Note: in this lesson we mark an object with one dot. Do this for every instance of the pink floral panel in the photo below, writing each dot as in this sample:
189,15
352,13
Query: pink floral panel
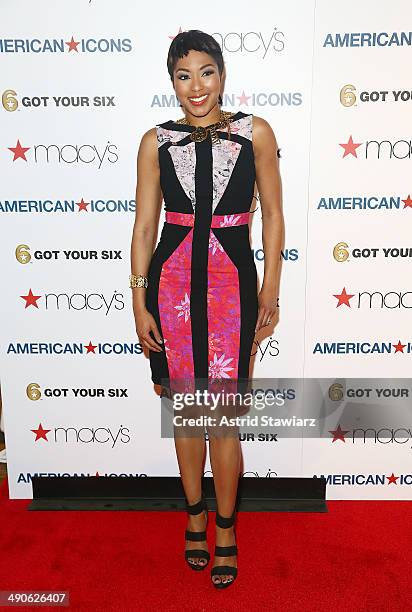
174,310
223,317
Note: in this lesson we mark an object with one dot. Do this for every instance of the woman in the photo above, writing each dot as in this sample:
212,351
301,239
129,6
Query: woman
195,298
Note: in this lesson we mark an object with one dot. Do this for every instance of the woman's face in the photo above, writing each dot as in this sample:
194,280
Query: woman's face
197,83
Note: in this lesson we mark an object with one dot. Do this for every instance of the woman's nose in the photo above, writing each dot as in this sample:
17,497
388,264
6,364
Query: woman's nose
196,84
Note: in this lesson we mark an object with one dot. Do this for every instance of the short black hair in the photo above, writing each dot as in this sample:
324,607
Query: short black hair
198,41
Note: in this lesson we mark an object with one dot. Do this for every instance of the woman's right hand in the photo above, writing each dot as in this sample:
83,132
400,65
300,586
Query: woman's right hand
145,323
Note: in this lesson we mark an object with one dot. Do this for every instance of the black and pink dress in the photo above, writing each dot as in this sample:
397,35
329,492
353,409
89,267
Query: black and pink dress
202,278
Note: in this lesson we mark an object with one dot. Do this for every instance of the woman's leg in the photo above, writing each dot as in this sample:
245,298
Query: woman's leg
225,459
190,455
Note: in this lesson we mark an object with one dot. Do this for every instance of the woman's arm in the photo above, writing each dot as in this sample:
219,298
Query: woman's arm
148,205
269,186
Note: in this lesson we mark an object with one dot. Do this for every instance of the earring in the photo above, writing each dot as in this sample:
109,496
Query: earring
220,99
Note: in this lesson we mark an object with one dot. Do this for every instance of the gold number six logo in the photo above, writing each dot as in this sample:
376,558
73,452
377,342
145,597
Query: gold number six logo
9,100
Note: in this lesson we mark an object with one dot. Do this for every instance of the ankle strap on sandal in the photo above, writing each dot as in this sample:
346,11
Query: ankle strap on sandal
225,521
197,507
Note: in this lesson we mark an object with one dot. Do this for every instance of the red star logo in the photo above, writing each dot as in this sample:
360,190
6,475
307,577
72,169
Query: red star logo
350,147
339,434
399,347
392,479
343,298
19,151
243,99
90,348
73,45
41,434
82,205
179,32
31,300
408,201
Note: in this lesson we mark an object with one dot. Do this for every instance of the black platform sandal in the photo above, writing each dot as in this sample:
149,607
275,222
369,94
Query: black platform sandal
196,536
224,551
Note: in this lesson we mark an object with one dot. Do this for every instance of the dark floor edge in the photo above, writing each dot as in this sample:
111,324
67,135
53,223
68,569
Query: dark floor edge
111,504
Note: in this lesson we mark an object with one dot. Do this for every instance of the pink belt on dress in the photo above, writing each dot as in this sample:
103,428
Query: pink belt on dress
217,220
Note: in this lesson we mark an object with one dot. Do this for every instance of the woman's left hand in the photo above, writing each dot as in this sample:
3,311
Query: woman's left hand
268,310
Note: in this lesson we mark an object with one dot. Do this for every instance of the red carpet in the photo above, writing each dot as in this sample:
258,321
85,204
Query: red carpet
356,557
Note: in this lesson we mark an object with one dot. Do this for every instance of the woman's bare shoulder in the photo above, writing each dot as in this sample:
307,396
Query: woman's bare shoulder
261,126
263,134
149,139
148,145
150,136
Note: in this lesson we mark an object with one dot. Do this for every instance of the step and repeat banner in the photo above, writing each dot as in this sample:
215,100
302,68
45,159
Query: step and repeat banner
80,82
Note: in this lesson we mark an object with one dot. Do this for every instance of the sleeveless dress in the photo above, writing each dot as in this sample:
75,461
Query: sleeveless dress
202,277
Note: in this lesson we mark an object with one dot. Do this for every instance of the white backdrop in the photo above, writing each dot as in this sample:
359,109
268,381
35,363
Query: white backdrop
72,116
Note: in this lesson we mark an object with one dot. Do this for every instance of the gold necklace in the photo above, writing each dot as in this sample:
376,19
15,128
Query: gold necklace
200,133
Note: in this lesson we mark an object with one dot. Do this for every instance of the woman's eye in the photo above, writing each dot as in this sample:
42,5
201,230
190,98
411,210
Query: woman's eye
182,77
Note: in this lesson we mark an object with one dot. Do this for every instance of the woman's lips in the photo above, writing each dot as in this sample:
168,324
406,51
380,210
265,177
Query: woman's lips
200,101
